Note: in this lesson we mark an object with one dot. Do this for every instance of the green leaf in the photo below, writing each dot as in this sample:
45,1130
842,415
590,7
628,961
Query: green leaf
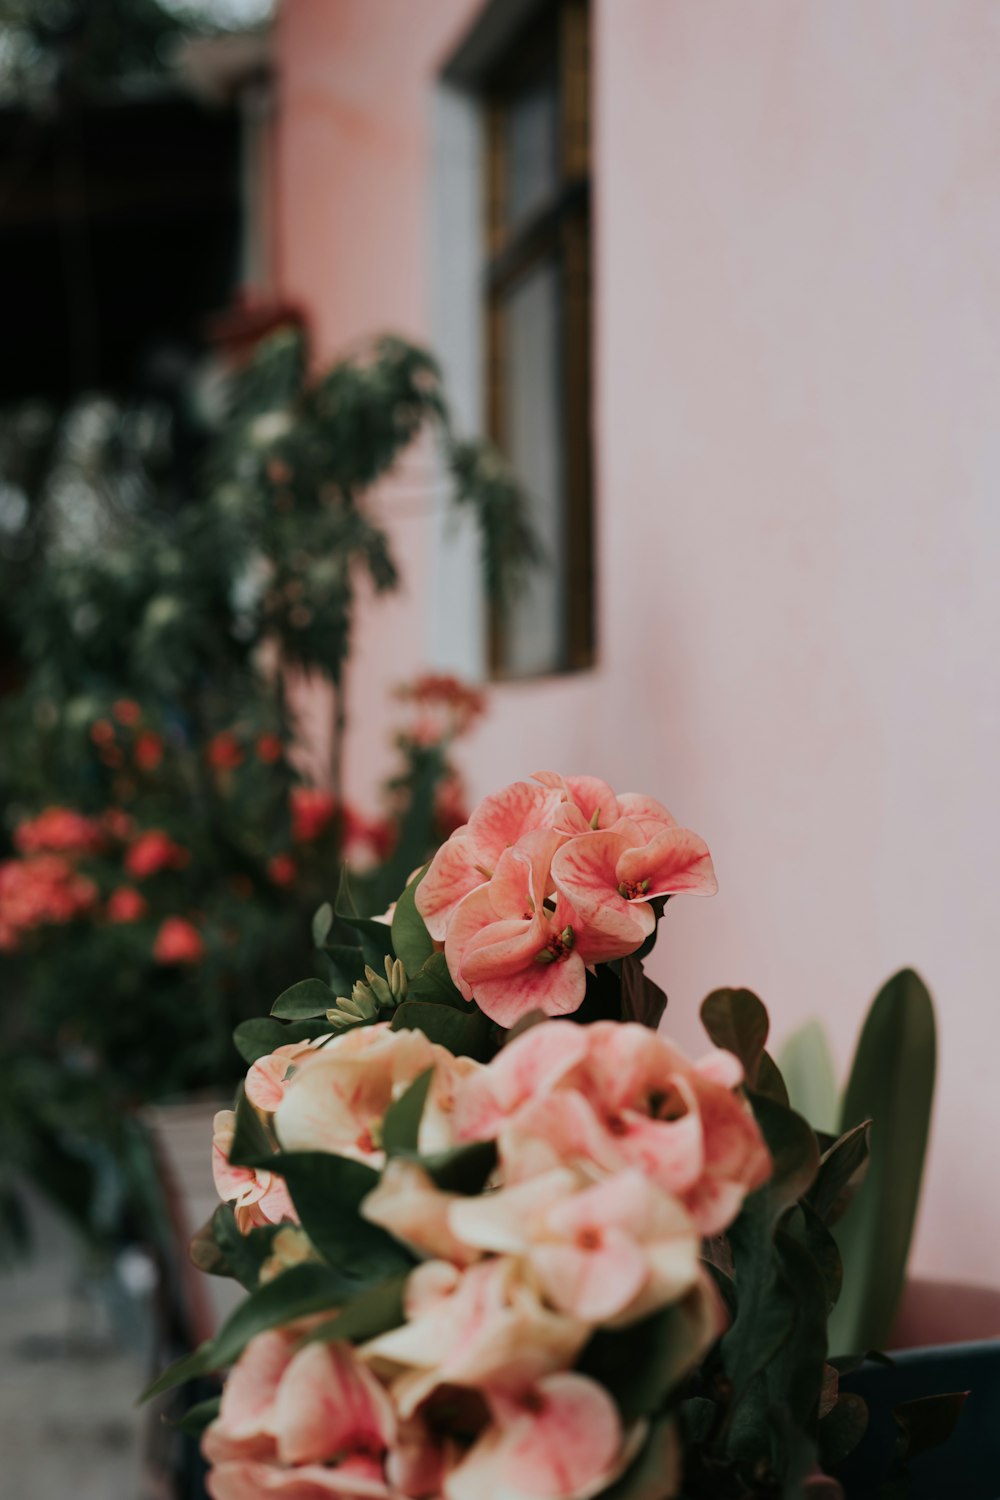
197,1418
892,1084
641,1365
434,983
376,937
842,1169
842,1429
347,966
656,1473
251,1143
296,1293
321,924
303,1001
806,1063
642,1000
794,1153
410,938
926,1423
327,1192
465,1035
264,1035
463,1169
220,1249
401,1125
372,1312
737,1021
770,1081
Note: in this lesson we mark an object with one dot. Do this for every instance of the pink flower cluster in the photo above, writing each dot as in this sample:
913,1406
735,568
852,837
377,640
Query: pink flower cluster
548,879
615,1155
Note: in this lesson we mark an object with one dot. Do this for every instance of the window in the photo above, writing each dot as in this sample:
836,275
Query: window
537,323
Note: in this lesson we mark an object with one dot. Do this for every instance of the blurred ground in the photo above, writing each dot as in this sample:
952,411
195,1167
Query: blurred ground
74,1351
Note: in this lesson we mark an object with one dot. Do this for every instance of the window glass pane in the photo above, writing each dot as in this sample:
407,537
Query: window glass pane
531,149
534,630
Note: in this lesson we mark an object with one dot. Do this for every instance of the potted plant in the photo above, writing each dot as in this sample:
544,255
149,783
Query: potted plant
498,1234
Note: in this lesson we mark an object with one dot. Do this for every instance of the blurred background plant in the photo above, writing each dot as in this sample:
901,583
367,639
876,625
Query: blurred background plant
159,576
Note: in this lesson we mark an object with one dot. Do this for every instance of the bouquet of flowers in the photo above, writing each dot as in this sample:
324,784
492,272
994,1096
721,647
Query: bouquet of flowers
501,1238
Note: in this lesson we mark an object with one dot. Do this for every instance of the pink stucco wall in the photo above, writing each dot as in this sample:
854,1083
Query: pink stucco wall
798,367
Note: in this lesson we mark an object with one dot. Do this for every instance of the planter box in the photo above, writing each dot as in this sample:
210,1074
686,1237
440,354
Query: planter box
182,1137
967,1465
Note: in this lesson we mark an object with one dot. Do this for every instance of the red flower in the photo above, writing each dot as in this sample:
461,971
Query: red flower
313,810
282,869
40,891
178,942
127,712
148,750
224,752
269,749
117,824
58,830
152,852
126,904
102,732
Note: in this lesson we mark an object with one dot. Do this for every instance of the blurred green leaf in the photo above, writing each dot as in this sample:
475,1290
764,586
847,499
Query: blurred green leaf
401,1124
891,1084
327,1191
737,1021
464,1035
806,1063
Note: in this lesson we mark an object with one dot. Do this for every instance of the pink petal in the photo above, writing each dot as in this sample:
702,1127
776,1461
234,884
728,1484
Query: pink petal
559,1441
248,1396
593,1284
255,1481
265,1085
474,913
650,815
329,1403
674,861
501,820
452,875
521,880
528,1067
595,799
585,871
557,989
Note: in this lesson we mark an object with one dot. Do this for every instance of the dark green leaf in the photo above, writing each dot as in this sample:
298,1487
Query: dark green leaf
264,1035
465,1035
737,1021
892,1084
410,938
805,1226
464,1169
842,1429
327,1191
642,1364
372,1312
793,1149
296,1293
220,1249
435,984
641,999
303,1001
841,1172
401,1125
347,966
251,1142
197,1418
926,1423
656,1473
770,1081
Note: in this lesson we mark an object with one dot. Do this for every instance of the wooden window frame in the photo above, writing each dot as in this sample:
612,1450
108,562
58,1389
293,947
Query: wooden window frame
560,233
